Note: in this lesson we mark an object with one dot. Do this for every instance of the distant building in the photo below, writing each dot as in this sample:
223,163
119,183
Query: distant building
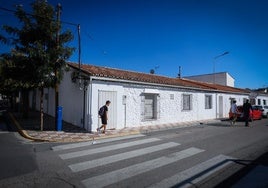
222,78
258,96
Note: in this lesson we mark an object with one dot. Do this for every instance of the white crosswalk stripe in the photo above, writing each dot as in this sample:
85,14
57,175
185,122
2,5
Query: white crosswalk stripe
83,144
160,158
121,156
124,173
195,174
106,148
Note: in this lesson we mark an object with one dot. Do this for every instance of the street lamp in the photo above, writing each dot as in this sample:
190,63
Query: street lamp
214,62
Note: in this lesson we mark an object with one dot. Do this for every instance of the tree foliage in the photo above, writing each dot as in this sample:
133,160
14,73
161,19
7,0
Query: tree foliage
36,54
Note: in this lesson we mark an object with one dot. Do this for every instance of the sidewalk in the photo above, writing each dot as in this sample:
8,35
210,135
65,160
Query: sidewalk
30,129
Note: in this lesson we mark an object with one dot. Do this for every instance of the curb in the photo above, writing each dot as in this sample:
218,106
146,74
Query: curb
94,137
23,132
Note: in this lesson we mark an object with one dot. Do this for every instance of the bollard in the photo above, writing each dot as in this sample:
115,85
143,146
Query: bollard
59,118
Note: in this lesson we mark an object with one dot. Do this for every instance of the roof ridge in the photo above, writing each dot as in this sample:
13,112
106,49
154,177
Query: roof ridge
132,71
108,72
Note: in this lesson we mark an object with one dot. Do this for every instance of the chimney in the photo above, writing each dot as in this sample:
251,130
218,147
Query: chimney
179,74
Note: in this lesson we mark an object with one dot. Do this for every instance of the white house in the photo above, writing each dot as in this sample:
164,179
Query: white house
136,98
259,97
222,78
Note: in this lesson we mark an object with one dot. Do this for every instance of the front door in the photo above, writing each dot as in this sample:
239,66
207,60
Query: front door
220,107
112,110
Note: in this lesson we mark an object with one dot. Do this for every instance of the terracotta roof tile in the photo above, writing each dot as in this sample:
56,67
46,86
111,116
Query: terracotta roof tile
106,72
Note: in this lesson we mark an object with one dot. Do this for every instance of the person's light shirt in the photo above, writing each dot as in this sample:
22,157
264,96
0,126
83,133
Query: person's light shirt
234,108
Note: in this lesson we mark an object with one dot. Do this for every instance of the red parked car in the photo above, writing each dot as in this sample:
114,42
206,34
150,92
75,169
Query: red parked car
255,113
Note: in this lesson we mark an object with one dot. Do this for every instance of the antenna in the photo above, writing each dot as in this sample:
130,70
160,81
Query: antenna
152,71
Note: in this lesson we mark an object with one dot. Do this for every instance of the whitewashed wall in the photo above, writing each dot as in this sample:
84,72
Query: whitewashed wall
71,98
49,101
170,109
261,100
229,80
94,105
227,102
222,78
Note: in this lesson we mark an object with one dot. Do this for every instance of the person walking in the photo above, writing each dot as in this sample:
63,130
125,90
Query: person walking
247,108
103,113
234,112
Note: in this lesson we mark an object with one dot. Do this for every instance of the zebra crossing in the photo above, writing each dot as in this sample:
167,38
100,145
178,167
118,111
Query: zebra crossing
77,155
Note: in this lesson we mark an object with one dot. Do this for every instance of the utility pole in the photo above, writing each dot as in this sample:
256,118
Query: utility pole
56,65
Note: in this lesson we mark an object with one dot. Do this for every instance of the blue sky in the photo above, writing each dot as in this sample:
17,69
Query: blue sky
140,35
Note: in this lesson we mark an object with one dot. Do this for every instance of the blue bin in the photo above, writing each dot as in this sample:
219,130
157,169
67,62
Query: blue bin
59,118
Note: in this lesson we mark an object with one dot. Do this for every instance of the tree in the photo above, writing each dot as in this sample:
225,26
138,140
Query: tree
40,53
6,88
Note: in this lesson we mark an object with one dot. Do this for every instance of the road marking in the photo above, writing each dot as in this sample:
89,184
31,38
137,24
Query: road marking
82,144
127,172
121,156
195,174
106,148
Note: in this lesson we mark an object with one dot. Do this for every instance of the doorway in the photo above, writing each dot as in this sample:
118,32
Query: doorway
220,107
112,109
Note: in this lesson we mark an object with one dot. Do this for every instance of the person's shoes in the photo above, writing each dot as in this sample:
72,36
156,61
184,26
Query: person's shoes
98,129
103,132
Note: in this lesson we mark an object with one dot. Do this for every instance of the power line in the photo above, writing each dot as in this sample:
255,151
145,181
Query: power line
29,14
8,10
103,51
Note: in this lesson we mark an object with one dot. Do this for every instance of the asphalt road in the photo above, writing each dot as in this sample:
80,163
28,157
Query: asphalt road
199,156
16,158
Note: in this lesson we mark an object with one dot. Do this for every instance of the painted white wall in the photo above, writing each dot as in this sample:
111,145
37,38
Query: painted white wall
171,110
105,86
230,80
71,98
263,100
49,101
129,115
227,102
222,78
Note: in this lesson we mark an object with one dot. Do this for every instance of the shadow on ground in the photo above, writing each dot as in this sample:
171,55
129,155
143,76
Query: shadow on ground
34,119
260,161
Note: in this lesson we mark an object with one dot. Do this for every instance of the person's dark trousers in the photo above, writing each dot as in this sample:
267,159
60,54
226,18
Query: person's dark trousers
246,121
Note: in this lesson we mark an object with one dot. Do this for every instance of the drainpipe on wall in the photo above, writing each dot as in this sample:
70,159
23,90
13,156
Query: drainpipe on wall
125,114
87,99
216,105
90,102
84,103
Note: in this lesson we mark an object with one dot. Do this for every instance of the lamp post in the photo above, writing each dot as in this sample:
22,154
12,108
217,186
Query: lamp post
214,62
